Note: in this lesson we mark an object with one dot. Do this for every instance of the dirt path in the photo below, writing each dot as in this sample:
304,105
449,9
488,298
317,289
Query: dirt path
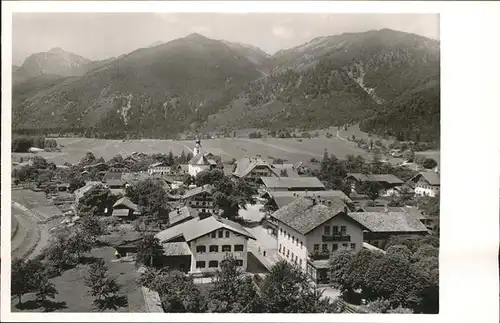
338,136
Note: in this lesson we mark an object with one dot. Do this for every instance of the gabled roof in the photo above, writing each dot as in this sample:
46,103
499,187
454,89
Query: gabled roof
282,198
389,222
114,182
125,201
195,191
180,215
176,249
292,182
202,159
96,165
79,193
387,178
158,164
112,175
431,177
245,165
411,211
304,215
195,228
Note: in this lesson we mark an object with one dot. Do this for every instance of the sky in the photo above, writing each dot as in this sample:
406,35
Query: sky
103,35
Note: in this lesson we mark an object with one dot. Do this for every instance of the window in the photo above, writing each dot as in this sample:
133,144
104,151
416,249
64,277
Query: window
213,264
220,234
284,249
281,231
293,257
293,239
300,262
343,230
200,264
324,247
288,236
201,249
344,245
279,250
213,248
301,245
316,247
327,230
213,235
226,248
288,253
239,247
227,234
239,262
335,247
353,246
335,230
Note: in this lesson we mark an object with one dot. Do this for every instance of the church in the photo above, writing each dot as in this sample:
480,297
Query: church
201,160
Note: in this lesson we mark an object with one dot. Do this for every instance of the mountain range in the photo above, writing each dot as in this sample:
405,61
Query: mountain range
386,80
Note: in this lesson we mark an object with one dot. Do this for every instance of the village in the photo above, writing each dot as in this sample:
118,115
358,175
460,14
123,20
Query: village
193,233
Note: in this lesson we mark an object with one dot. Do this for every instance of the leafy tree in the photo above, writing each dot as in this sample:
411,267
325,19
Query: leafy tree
429,163
150,196
22,277
75,183
400,250
208,177
103,287
148,250
287,289
96,201
232,195
372,190
92,227
45,288
88,159
284,173
231,292
170,158
339,264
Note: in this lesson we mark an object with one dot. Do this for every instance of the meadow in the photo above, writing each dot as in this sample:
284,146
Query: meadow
290,149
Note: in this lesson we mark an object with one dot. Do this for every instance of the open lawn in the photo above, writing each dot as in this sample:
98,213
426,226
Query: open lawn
73,294
36,202
293,150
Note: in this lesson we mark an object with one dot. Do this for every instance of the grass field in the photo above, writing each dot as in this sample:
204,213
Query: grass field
72,293
73,149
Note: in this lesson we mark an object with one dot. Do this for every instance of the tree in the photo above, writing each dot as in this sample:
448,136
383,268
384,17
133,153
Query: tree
88,159
284,173
208,177
429,163
92,227
22,277
79,244
232,195
170,158
75,183
339,264
287,289
148,250
96,201
45,288
401,250
372,190
231,292
150,196
103,287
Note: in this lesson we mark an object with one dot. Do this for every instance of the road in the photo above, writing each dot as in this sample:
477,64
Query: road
338,136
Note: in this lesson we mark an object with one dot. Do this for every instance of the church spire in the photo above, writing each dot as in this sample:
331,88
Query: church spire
197,147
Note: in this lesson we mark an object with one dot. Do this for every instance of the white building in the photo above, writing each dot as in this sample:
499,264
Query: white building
201,161
160,168
199,245
310,229
426,184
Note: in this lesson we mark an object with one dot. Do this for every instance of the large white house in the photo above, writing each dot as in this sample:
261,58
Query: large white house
310,229
426,184
199,245
201,161
160,168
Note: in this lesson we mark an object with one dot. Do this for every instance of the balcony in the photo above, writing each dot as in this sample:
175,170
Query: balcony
336,237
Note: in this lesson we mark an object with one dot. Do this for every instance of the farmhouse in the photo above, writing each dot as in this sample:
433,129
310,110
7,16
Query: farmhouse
201,161
117,186
199,245
199,198
79,193
279,199
181,215
426,184
292,184
310,229
389,183
411,211
253,169
125,209
161,168
381,226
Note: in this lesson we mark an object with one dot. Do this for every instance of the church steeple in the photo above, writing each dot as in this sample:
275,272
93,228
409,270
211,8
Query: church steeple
197,147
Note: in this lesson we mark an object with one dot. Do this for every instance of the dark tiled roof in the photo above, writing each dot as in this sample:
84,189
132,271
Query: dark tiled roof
196,228
202,159
120,212
388,222
303,215
112,175
431,177
192,192
412,211
125,201
181,215
245,165
388,178
283,198
292,182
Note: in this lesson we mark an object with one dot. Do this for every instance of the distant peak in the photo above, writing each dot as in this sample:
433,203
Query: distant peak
195,36
56,50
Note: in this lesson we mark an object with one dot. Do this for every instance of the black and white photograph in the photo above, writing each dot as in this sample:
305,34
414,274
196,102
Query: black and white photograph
212,162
